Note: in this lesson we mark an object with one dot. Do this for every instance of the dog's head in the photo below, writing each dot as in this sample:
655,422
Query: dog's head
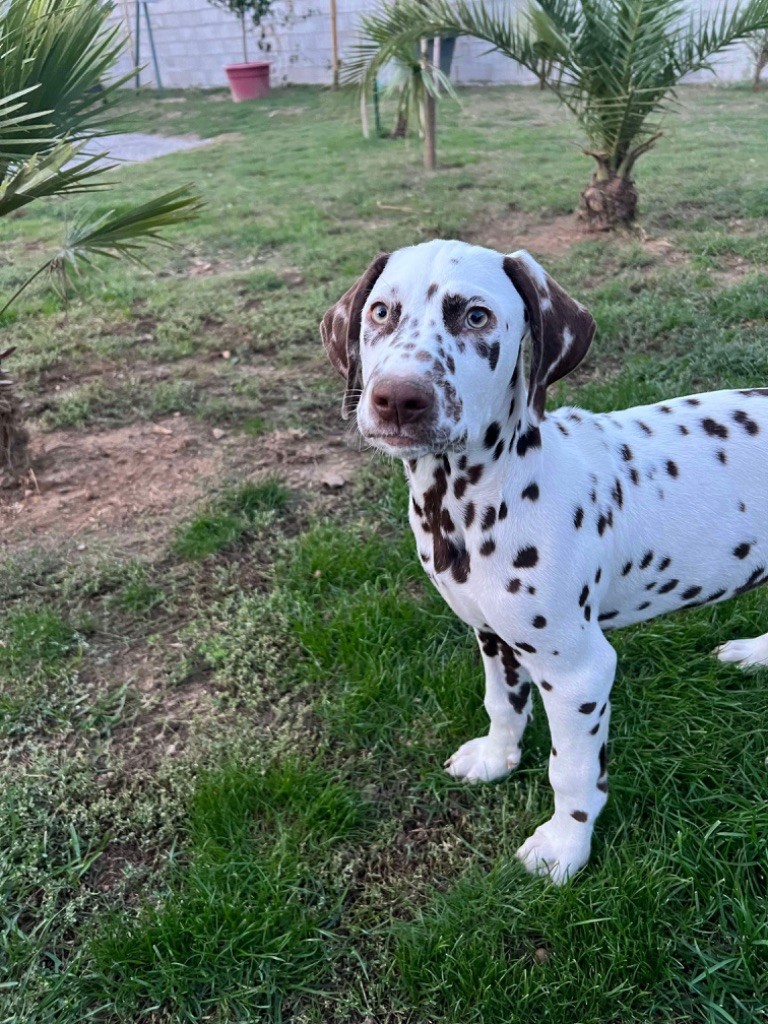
429,338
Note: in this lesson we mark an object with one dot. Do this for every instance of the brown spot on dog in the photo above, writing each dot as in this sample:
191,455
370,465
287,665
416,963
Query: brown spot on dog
489,517
460,566
749,424
526,558
714,429
742,550
581,816
491,434
454,308
530,439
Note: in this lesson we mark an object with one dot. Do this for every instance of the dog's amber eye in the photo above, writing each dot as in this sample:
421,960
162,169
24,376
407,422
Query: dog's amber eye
379,312
476,318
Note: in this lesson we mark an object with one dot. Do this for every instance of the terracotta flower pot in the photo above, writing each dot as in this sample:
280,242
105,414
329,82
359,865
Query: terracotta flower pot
248,81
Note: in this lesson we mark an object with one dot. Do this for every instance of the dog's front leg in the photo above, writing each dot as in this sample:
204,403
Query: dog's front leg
577,706
507,701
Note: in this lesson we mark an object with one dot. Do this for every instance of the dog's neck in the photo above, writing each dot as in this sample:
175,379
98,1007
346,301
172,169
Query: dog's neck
511,432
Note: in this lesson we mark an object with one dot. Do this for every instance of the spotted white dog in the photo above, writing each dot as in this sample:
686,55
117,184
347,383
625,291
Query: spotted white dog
543,530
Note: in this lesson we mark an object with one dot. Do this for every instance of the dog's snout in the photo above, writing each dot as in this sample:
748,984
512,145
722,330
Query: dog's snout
398,401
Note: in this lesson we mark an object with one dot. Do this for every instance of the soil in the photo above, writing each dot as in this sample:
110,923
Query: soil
129,480
551,238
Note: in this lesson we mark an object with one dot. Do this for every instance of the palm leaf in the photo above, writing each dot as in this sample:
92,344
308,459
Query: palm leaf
125,232
118,233
60,171
59,55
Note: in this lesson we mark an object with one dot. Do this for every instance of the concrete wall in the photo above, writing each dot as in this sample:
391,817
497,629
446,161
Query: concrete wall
194,41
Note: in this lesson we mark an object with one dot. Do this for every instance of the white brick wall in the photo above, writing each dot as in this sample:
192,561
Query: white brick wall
194,41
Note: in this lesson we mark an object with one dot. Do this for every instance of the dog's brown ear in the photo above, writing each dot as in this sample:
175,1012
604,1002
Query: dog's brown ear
340,329
561,328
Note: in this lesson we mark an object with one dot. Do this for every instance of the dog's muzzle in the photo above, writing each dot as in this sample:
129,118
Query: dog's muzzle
401,413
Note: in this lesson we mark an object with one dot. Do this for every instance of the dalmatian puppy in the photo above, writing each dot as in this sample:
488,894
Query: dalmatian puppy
543,530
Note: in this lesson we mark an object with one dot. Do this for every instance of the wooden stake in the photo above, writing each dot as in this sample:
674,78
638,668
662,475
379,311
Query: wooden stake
430,114
334,46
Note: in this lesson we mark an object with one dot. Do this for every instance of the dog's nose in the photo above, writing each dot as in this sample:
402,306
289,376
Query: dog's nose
398,401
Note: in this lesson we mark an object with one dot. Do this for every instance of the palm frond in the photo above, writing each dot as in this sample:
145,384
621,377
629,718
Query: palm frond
118,233
60,171
125,232
58,55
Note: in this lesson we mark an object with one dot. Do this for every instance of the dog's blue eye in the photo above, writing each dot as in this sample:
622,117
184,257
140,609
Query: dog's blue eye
379,312
476,318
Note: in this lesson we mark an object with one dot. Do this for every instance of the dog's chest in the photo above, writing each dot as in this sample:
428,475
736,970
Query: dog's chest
462,540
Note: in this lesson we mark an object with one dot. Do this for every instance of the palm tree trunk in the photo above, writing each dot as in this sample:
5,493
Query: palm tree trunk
760,63
401,128
608,202
14,456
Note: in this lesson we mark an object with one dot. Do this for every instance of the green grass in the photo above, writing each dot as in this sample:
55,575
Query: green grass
232,519
222,787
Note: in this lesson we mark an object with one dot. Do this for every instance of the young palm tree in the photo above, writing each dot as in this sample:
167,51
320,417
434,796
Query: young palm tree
617,65
56,57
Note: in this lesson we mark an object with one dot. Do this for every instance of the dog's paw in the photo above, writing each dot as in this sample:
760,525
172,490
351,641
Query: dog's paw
482,760
747,654
555,852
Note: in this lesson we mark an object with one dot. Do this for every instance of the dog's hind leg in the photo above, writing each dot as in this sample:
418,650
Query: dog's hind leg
745,653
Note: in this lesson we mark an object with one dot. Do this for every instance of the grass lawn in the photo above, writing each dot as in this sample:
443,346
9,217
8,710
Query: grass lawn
228,689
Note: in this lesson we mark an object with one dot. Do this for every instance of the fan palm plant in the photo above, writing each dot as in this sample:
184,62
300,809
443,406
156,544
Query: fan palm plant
55,56
415,82
617,64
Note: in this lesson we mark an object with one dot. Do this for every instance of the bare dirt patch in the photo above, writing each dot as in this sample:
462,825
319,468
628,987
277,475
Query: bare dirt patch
551,238
125,480
108,480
